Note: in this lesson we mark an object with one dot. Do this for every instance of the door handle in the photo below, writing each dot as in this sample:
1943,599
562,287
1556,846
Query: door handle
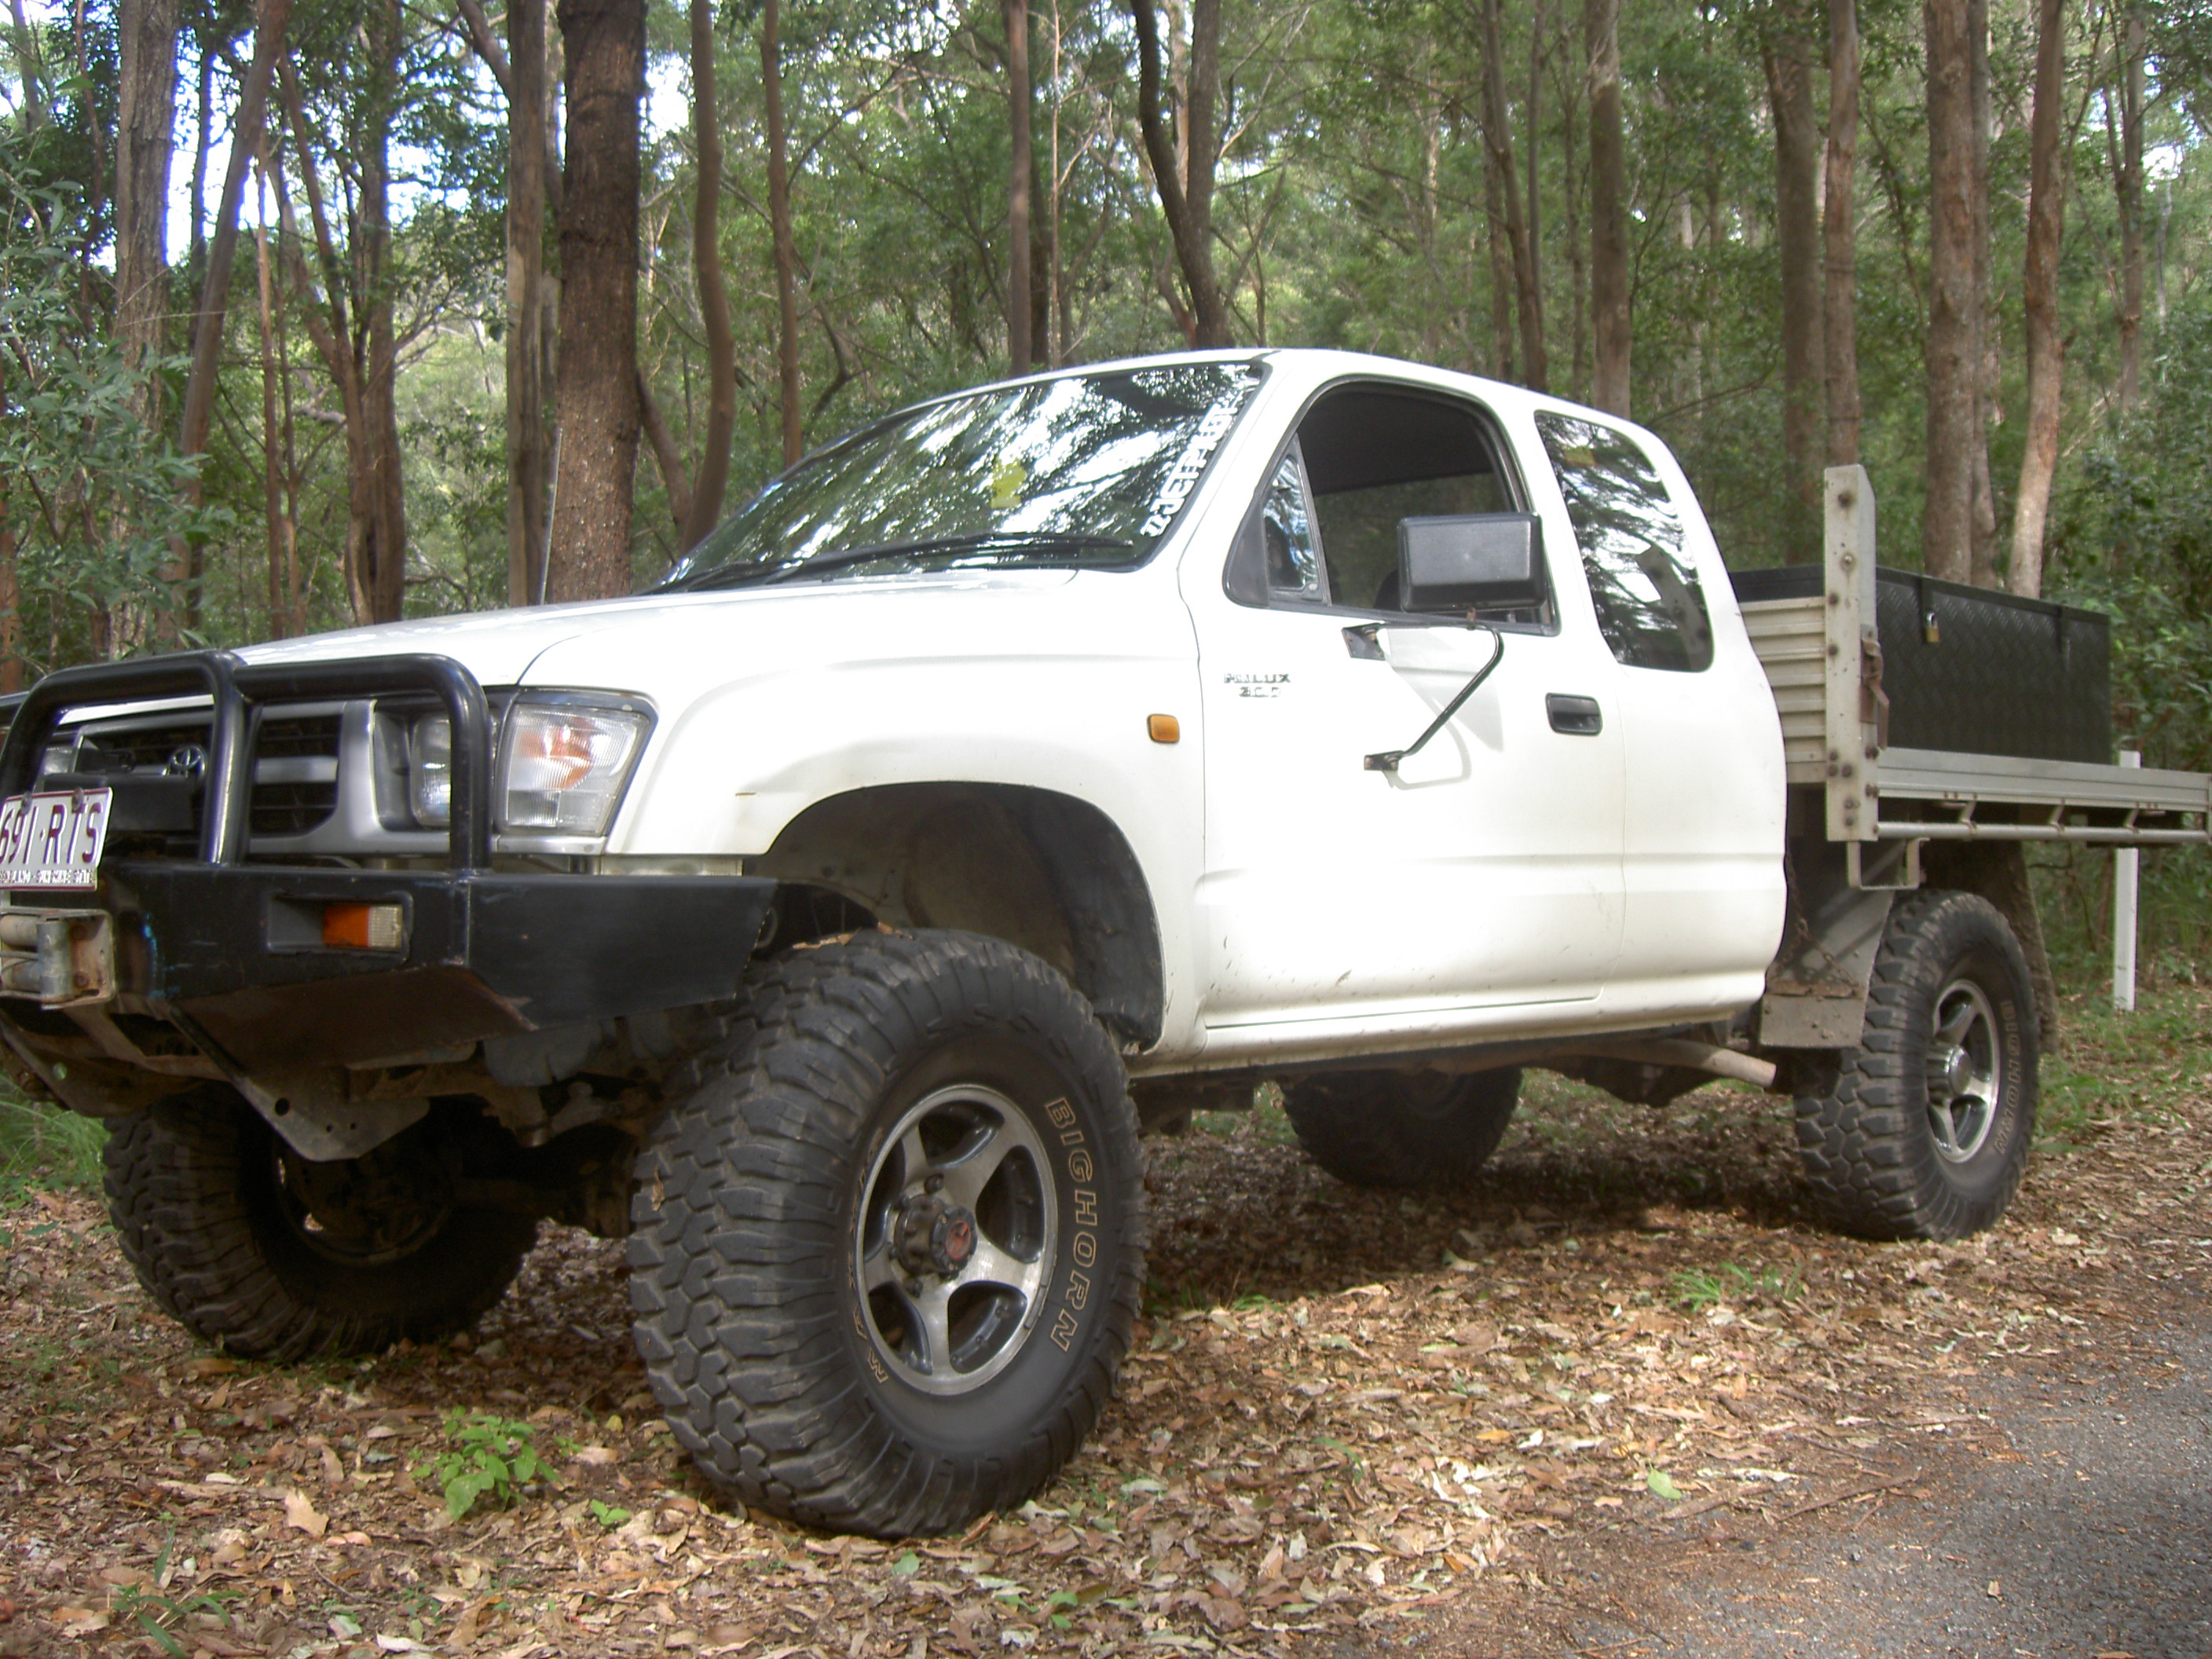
1578,717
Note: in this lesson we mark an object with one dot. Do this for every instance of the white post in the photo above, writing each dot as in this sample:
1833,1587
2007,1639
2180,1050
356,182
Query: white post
2126,868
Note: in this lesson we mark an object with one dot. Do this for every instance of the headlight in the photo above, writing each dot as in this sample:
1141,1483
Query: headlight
430,770
563,765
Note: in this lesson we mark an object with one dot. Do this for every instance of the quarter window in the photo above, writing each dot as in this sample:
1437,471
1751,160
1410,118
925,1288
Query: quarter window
1286,533
1650,607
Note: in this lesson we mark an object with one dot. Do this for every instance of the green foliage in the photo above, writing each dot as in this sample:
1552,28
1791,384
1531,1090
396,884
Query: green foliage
2150,1066
94,501
42,1147
1696,1289
488,1456
2132,536
608,1515
161,1616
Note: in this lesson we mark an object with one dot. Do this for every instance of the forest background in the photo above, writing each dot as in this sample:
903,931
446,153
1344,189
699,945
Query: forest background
318,311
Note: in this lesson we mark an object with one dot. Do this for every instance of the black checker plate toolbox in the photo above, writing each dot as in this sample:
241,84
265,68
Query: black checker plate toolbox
1977,671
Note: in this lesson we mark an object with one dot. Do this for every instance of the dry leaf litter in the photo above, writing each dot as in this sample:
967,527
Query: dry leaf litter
1350,1419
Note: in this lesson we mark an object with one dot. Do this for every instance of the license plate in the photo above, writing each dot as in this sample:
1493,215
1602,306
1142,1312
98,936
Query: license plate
52,838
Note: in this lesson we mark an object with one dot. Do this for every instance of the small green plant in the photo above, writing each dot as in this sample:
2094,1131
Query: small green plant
1696,1289
159,1615
43,1147
489,1456
608,1515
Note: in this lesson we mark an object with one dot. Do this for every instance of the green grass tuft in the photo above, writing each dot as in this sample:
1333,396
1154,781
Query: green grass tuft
44,1147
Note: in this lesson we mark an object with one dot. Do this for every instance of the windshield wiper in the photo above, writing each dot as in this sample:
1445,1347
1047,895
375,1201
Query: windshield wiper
1058,541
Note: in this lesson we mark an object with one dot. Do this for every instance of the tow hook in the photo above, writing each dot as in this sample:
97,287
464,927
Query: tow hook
60,956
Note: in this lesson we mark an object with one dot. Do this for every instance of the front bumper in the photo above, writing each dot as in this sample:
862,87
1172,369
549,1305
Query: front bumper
234,955
236,951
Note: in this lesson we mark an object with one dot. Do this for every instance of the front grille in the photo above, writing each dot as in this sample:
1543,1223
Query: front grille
294,805
295,788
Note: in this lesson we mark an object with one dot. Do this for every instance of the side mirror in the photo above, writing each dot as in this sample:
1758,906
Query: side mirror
1471,560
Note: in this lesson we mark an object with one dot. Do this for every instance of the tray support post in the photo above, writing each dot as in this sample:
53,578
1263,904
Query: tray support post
1851,648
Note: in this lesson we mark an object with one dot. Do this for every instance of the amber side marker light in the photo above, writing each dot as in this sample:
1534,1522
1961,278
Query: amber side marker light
362,926
1164,728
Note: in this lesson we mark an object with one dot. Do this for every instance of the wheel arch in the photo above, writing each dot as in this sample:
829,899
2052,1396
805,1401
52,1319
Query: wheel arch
1043,870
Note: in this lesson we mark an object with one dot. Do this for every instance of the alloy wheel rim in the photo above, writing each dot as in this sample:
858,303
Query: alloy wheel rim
953,1245
1966,1072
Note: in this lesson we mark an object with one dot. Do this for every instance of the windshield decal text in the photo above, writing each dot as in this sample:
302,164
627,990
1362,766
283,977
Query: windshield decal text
1183,477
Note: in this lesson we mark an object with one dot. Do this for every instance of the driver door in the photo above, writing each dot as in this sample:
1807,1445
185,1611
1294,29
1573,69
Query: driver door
1486,871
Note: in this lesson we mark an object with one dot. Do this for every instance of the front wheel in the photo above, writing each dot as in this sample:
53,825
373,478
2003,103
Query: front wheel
1925,1132
271,1256
890,1238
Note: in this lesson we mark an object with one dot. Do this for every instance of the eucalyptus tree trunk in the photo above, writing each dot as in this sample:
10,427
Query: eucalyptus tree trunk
1499,247
1609,318
1952,353
2046,341
1787,56
282,532
705,509
1185,180
526,172
2128,189
381,576
596,397
247,121
1498,138
1840,235
779,218
145,142
1020,352
1983,567
11,584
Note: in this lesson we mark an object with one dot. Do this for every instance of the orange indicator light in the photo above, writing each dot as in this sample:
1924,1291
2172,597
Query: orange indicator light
1164,728
362,926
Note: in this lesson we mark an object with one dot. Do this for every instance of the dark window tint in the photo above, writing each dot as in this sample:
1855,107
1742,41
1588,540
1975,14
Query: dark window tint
1650,607
1374,456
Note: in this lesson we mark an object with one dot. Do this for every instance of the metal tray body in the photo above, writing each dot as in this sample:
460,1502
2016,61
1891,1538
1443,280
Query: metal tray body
1975,671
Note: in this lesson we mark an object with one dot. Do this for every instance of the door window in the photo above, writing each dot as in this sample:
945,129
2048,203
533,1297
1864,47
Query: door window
1325,530
1650,607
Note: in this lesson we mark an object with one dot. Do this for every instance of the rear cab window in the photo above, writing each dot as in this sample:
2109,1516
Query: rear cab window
1650,607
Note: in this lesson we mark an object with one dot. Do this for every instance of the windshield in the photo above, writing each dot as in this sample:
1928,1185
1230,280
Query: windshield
1082,470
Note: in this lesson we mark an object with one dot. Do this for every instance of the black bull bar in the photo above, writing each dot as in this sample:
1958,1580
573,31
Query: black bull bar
230,949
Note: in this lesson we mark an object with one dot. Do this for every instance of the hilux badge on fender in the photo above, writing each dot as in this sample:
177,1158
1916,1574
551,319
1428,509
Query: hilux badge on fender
1257,685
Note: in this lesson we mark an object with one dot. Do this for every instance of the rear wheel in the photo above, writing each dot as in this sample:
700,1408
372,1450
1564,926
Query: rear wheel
1402,1128
890,1237
271,1256
1925,1130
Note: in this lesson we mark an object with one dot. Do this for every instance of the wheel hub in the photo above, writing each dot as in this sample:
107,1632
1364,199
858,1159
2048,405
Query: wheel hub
955,1241
935,1237
1953,1068
1967,1073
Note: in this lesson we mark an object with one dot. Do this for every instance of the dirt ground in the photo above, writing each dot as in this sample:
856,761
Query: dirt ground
1624,1396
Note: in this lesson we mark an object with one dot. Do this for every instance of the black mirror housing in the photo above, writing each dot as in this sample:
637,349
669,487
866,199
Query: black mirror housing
1472,561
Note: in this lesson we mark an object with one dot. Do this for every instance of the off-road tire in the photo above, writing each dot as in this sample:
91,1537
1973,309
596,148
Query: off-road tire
1406,1129
1869,1142
196,1188
756,1191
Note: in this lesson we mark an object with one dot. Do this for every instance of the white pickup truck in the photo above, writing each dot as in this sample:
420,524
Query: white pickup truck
1023,770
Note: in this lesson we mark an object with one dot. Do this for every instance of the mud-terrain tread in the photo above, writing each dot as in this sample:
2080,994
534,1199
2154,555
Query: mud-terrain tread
737,1240
174,1176
1865,1143
1359,1126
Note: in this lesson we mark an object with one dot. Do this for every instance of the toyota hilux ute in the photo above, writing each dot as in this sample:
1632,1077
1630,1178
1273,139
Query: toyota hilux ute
1019,772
